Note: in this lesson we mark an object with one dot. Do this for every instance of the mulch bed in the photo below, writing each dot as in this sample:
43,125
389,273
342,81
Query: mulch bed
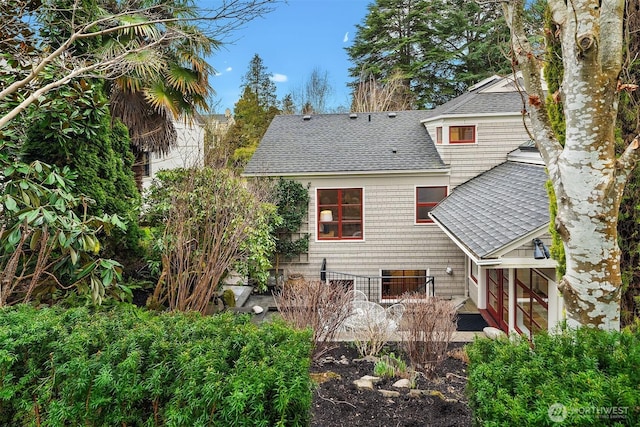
337,401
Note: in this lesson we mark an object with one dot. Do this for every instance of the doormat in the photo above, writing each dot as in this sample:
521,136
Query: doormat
471,322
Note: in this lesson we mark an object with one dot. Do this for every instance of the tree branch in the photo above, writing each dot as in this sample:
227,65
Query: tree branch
524,58
611,25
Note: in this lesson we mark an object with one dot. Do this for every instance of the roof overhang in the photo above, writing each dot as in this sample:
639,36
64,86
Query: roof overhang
514,114
378,174
496,257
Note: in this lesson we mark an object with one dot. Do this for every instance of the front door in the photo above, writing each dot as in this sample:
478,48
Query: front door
498,297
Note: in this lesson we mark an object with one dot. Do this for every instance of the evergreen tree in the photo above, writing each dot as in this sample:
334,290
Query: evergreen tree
259,81
439,47
288,106
76,130
251,122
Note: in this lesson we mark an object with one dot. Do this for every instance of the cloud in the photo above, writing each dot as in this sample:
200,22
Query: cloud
346,37
228,69
279,78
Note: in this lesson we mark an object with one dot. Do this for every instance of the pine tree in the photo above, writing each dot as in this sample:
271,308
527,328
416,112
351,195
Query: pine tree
259,81
439,47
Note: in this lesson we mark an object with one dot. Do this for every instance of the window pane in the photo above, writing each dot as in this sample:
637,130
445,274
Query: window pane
439,135
423,212
431,194
328,197
461,134
351,196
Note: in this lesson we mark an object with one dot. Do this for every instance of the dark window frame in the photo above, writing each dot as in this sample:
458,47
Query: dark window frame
462,141
430,204
340,221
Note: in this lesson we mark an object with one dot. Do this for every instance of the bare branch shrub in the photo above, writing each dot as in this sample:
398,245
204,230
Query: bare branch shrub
429,324
315,305
371,337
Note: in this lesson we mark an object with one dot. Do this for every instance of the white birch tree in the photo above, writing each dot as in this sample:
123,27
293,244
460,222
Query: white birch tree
588,178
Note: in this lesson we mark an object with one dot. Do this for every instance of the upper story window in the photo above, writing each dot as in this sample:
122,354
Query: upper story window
426,199
439,135
340,214
462,134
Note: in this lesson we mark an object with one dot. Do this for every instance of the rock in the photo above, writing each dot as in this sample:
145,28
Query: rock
257,309
493,333
371,378
363,384
432,393
403,383
389,393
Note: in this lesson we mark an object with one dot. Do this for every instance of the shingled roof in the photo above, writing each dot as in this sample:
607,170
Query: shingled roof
496,208
494,95
346,143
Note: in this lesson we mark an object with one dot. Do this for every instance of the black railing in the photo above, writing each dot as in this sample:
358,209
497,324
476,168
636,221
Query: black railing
381,288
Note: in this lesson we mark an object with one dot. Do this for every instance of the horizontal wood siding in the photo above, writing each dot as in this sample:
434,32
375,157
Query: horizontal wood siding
495,138
392,240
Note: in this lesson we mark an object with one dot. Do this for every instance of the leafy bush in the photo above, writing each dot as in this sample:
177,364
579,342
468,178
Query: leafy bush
584,377
46,249
133,367
213,221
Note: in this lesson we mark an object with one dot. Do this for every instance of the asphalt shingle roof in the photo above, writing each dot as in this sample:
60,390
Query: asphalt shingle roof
485,100
336,143
497,207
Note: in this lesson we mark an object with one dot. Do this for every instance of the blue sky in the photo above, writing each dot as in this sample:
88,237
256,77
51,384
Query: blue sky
295,38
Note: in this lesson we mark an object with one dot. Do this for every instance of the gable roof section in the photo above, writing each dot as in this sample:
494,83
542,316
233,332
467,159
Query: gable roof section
494,95
339,143
496,208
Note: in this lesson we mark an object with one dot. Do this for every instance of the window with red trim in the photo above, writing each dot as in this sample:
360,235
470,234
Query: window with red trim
340,214
426,199
462,134
439,135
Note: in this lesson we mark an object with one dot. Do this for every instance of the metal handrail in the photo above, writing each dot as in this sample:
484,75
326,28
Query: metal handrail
372,285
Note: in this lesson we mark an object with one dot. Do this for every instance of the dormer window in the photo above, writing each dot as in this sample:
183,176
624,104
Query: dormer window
439,135
462,134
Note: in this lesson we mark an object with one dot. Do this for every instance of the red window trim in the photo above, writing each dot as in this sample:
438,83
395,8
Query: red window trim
339,220
463,141
431,204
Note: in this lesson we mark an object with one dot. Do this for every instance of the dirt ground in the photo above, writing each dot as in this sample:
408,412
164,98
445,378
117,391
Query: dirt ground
337,401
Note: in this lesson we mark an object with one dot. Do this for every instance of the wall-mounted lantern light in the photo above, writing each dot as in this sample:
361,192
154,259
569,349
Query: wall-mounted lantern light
540,251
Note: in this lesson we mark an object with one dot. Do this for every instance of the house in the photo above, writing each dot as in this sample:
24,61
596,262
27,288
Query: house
189,149
453,197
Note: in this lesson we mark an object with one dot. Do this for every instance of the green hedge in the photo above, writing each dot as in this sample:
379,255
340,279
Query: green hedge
573,378
130,367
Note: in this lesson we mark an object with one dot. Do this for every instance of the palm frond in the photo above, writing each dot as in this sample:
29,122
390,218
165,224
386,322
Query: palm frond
160,97
150,129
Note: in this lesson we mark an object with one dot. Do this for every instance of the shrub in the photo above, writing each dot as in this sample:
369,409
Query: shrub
582,377
315,305
430,324
133,367
213,221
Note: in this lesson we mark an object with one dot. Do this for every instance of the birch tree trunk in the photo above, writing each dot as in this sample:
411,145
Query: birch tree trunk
587,177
